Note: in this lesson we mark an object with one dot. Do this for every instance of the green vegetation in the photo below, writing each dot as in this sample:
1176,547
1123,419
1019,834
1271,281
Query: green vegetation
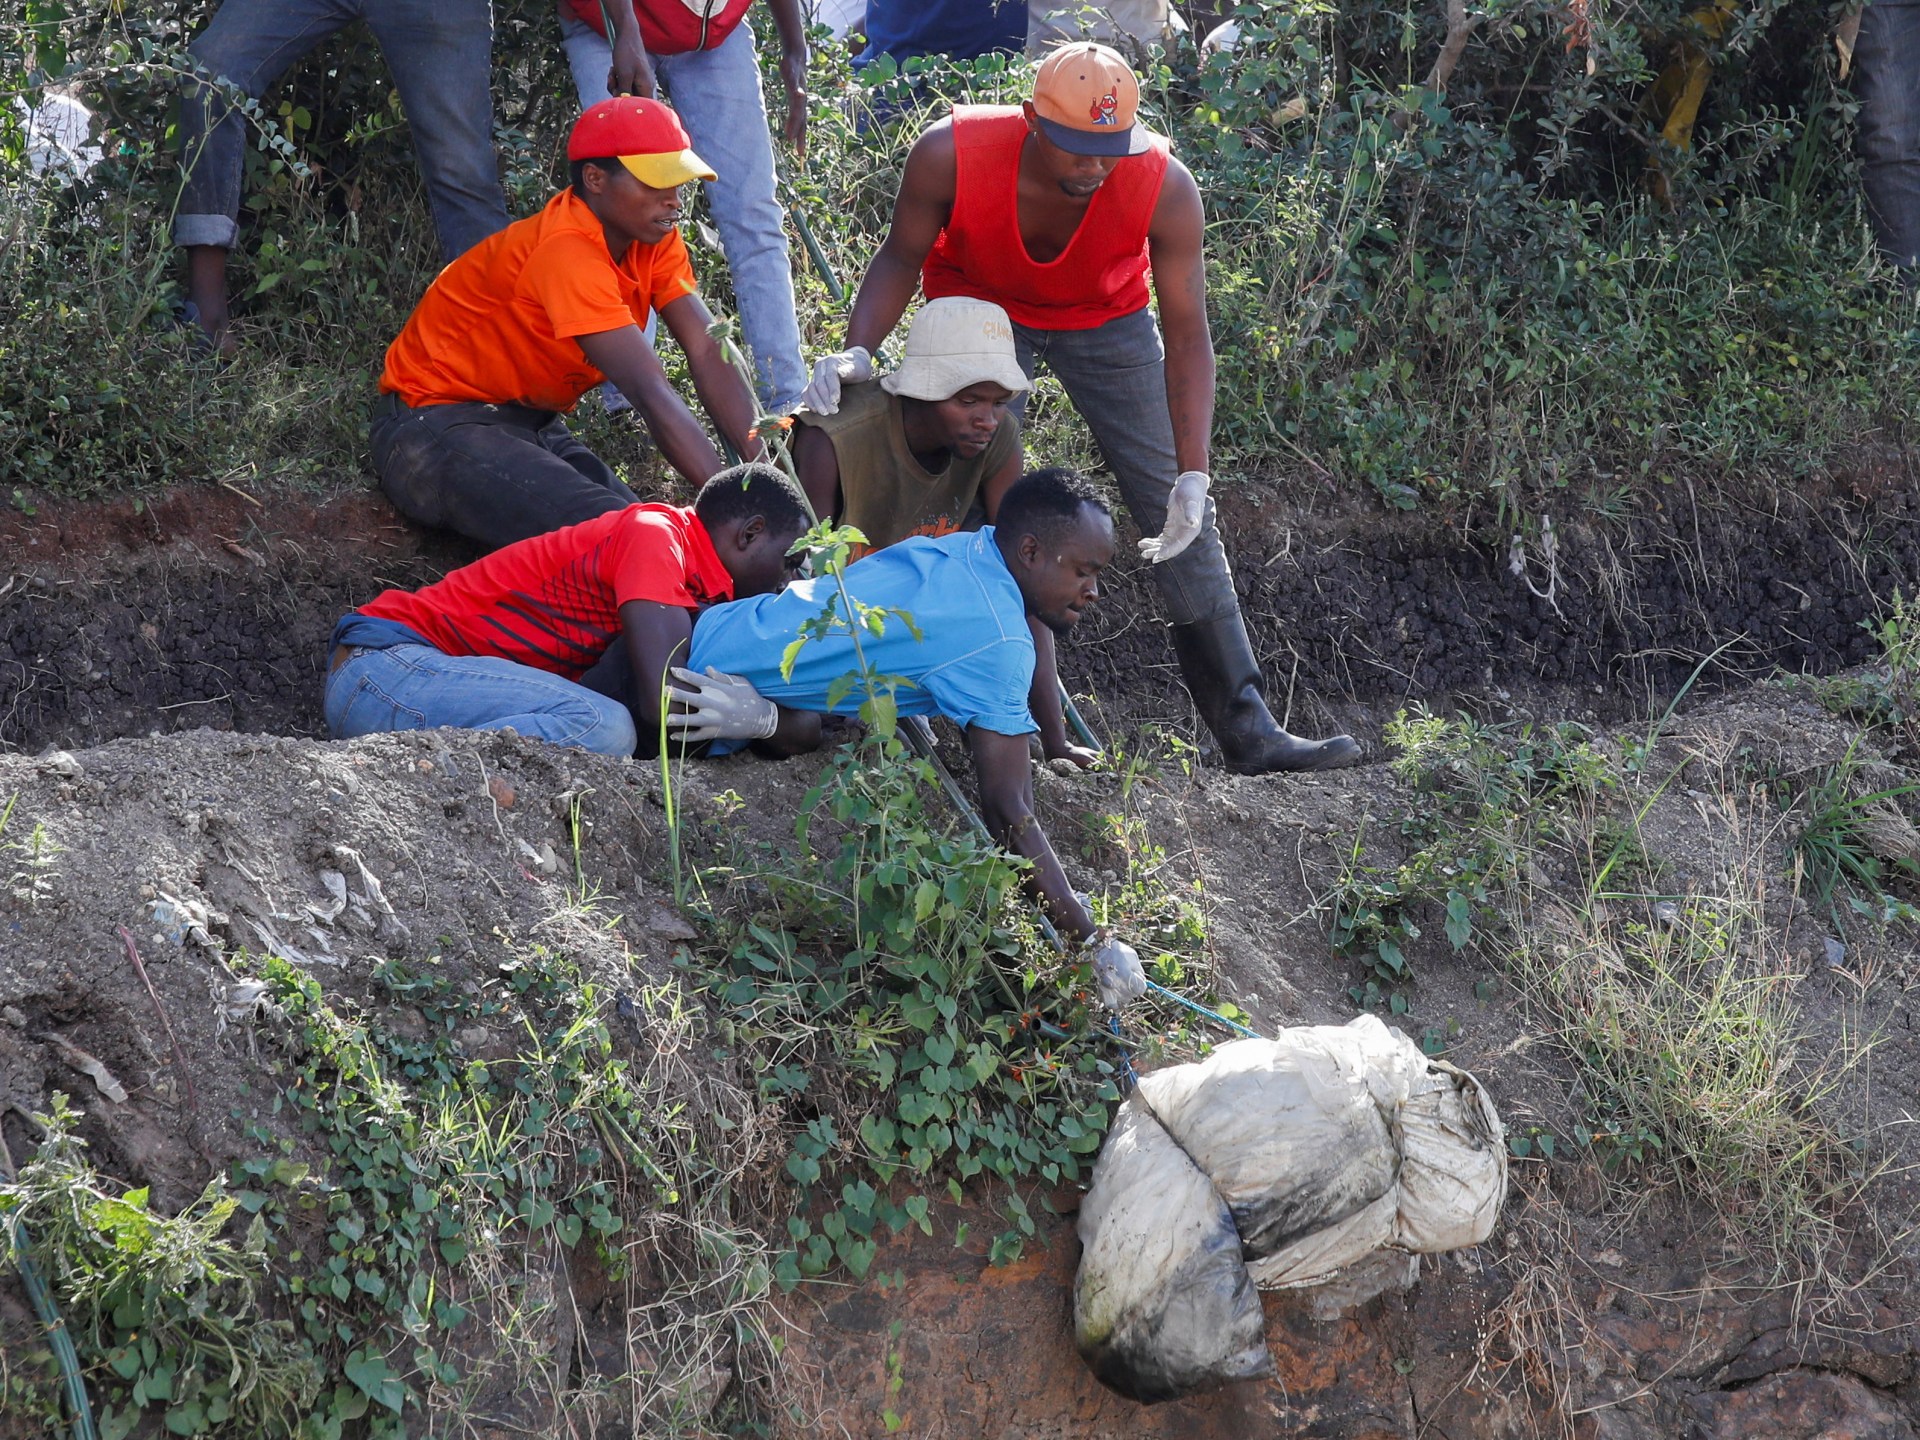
1498,284
1481,799
29,861
1671,1003
407,1204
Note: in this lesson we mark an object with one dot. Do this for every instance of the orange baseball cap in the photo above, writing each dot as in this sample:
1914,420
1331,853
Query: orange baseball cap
644,136
1086,98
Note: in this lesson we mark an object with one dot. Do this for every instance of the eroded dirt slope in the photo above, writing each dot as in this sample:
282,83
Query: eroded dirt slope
1587,1314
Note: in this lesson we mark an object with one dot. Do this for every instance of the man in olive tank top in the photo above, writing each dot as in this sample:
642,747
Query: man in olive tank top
1062,210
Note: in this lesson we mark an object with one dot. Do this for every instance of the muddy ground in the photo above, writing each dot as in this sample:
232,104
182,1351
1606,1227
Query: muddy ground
173,655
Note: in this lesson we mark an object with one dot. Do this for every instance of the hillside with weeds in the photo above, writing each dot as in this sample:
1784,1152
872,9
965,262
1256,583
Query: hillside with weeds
1442,275
451,1084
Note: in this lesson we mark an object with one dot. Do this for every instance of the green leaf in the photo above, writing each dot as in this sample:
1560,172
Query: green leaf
372,1377
1459,919
1391,957
882,713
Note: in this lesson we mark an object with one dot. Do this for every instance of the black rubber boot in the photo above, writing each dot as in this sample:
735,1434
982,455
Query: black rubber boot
1216,661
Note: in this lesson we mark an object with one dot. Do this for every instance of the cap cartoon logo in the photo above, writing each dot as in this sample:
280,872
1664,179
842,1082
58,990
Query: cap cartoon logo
1105,110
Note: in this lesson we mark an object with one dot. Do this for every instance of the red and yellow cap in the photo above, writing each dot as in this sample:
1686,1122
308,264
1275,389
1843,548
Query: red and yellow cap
1086,98
644,136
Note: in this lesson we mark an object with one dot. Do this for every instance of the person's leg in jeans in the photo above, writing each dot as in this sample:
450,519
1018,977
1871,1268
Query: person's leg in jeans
1115,374
490,473
718,97
1887,58
248,45
416,687
561,441
441,56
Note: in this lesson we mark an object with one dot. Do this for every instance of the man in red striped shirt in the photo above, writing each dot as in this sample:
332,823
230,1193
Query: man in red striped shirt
503,642
1060,210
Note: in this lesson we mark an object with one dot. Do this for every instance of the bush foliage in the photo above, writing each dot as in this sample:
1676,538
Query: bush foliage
1497,282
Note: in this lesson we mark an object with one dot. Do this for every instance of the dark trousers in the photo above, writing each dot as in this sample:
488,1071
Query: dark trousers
493,473
1887,61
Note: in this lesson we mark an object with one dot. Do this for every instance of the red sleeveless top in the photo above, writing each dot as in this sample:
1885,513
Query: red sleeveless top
1100,276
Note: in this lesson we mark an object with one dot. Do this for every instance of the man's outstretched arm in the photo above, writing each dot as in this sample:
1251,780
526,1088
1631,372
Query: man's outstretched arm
1005,776
920,211
656,636
1175,245
626,359
723,390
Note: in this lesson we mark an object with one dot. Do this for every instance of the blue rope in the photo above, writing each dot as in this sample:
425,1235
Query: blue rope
1199,1009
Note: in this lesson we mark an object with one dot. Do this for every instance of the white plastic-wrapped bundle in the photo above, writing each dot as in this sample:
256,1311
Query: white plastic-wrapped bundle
1318,1149
1162,1304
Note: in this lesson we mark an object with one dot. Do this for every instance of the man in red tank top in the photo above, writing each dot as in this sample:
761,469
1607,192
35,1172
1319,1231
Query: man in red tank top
1060,211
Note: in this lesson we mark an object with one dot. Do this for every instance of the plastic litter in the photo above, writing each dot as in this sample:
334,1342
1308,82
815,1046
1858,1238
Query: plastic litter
1162,1304
1323,1148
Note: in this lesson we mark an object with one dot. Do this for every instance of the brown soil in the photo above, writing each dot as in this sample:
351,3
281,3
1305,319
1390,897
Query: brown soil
203,608
1591,1313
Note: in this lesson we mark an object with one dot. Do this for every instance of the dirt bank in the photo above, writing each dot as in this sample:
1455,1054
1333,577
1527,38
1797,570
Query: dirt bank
1613,1304
201,608
1593,1313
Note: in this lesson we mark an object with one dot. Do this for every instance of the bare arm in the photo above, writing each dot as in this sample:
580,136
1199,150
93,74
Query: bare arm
792,31
632,72
1005,776
625,358
994,488
656,636
920,211
723,393
818,465
1175,246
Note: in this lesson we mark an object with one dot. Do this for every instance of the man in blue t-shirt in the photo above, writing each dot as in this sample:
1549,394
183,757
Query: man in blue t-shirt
968,654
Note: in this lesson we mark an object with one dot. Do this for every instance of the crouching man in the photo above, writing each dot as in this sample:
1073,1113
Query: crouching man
468,434
971,596
928,450
500,643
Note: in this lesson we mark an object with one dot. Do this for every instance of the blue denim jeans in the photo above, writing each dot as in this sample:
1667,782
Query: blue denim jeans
416,687
439,52
716,93
1116,376
1886,57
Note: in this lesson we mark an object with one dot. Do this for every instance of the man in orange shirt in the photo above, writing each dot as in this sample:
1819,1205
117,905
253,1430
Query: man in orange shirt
469,435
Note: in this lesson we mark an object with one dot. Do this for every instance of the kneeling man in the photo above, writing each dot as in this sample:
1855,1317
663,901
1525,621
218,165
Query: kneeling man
500,643
468,434
968,655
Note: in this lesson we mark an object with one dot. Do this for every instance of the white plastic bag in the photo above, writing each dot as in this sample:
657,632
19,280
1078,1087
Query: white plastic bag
1318,1149
1162,1305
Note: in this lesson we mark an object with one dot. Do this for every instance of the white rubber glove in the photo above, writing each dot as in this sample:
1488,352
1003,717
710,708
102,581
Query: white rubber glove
1117,975
1186,512
720,707
830,372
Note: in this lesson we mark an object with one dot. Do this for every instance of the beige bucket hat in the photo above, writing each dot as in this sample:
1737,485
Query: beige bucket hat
956,341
